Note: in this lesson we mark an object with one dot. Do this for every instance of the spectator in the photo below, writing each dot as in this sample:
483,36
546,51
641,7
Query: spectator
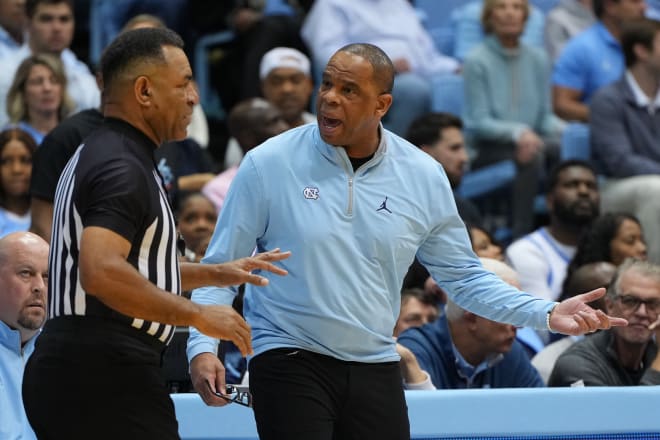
196,221
50,26
624,125
37,100
24,281
619,356
394,26
484,244
541,258
417,308
612,237
506,111
16,150
12,27
251,122
441,136
565,21
464,350
585,278
592,59
469,29
286,82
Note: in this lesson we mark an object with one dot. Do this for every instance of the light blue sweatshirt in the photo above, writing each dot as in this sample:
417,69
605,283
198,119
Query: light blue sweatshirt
13,357
352,238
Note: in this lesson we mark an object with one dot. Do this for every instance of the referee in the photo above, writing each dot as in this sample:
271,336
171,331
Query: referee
115,280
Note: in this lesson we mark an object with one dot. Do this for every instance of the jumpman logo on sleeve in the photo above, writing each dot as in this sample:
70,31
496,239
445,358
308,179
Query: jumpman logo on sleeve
383,206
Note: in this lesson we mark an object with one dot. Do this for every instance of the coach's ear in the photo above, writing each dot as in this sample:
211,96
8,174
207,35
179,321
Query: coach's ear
383,103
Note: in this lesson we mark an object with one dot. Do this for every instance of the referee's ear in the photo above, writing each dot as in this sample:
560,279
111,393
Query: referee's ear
142,90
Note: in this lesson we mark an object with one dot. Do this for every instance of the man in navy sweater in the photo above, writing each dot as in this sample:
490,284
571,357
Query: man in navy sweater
464,350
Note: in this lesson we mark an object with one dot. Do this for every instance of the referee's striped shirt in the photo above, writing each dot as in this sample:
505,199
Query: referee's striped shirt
111,182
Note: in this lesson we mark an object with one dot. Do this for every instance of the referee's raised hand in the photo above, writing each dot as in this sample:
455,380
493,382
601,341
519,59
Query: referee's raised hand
240,271
232,273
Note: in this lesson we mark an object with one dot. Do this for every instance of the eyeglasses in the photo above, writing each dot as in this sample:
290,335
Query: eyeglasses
631,303
235,394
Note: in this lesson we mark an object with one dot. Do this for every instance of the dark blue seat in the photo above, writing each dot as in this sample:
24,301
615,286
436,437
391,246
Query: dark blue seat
207,96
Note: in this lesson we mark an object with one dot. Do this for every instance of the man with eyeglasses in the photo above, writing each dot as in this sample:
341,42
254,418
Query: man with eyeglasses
625,355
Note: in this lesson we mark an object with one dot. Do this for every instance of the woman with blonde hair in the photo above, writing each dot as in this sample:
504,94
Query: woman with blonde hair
507,104
37,100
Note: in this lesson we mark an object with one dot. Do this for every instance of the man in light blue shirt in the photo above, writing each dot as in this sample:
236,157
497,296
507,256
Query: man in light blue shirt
23,281
592,59
354,203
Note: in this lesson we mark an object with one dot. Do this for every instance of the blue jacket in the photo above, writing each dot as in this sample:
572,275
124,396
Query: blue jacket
352,236
433,347
624,136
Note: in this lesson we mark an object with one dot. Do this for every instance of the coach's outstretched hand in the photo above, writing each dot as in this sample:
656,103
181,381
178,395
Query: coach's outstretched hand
574,317
208,376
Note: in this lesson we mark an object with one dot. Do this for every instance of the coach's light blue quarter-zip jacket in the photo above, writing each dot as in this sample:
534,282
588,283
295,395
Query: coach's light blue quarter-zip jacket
352,236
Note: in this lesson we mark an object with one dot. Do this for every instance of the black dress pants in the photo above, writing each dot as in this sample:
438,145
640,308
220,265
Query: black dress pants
298,394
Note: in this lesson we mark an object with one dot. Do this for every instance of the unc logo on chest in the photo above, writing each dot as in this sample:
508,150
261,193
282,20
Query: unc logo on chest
311,193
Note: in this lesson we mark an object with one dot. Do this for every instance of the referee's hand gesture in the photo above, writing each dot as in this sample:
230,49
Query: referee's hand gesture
232,273
240,271
223,322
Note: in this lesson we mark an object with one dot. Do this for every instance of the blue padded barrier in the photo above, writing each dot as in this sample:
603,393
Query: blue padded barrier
599,413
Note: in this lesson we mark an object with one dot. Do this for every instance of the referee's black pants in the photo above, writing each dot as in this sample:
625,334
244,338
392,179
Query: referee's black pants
302,395
89,379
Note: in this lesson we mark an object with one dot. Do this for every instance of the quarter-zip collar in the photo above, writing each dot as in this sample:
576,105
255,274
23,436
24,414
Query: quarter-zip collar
338,155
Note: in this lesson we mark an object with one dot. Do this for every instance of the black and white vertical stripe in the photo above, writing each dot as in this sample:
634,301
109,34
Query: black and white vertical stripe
156,257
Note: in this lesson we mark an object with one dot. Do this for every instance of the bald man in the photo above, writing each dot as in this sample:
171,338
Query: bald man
24,281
